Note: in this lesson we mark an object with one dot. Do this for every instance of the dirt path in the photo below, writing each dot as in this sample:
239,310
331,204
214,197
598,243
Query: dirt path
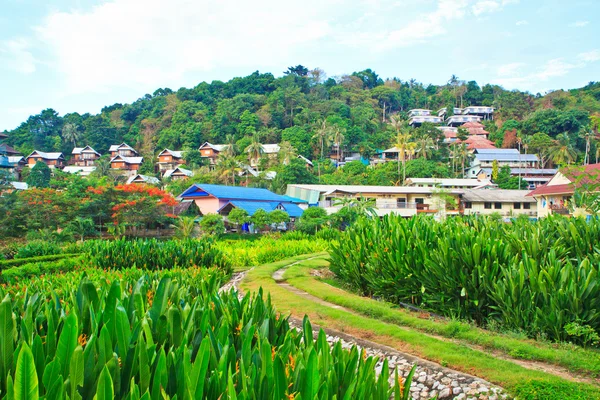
562,372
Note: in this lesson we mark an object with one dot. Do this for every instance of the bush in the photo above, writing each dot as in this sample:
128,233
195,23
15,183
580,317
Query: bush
312,220
212,224
38,248
33,269
20,261
151,254
532,277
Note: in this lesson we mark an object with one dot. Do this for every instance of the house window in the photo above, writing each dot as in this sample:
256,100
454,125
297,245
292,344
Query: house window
526,206
497,206
517,206
468,204
419,200
487,205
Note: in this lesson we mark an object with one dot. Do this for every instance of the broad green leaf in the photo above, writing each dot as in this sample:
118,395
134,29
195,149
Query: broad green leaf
26,379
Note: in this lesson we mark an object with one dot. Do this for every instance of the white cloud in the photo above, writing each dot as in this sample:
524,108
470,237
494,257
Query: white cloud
509,69
522,22
15,55
579,24
145,43
589,56
509,75
485,6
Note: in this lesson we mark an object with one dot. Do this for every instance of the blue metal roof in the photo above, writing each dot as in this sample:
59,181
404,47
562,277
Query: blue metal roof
233,193
293,210
252,206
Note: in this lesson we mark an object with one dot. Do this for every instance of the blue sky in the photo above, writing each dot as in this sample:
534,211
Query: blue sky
81,55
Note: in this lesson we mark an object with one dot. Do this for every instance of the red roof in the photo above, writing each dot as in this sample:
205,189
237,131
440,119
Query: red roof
449,134
567,188
480,145
475,128
576,174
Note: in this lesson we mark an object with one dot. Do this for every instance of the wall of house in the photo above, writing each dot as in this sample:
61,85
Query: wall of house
209,205
167,158
506,210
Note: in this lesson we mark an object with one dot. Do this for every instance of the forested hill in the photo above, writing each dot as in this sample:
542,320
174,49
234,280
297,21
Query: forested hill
291,106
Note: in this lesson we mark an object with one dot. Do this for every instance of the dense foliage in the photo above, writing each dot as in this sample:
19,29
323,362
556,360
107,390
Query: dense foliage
133,335
540,278
153,254
361,112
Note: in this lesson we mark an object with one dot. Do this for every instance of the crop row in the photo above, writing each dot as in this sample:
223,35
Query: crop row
540,278
166,334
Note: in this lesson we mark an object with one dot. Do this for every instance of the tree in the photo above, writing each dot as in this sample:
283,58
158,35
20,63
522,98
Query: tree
227,168
287,152
540,144
425,147
82,227
260,219
71,133
402,145
238,216
212,224
298,70
312,219
338,137
322,135
279,217
495,170
254,150
185,227
39,176
562,151
193,158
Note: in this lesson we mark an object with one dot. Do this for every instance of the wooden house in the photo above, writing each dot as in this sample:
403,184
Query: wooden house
53,160
177,174
84,156
122,149
170,159
126,163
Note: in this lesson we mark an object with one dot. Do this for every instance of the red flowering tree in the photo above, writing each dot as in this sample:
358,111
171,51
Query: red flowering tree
141,206
45,208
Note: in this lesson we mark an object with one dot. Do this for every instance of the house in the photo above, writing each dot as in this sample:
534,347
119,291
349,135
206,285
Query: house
7,150
484,158
406,201
170,159
484,112
475,128
138,178
219,199
419,120
177,174
507,203
458,120
442,111
122,149
53,160
211,151
126,163
84,156
556,195
451,183
479,142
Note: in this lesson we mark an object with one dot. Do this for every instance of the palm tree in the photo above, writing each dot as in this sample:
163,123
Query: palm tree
464,155
397,124
402,144
230,146
322,135
562,152
287,152
71,134
227,167
254,150
587,135
338,137
424,146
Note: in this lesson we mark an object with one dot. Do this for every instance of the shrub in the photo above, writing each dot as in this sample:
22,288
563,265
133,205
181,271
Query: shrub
152,254
38,248
212,224
532,277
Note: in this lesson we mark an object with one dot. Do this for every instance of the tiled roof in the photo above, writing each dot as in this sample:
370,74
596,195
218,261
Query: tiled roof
117,147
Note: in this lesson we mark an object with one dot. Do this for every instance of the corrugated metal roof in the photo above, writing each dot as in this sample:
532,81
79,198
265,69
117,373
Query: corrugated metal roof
47,156
233,193
293,210
497,195
506,157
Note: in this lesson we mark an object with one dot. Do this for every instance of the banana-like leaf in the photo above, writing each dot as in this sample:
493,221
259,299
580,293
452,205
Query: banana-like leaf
105,390
26,379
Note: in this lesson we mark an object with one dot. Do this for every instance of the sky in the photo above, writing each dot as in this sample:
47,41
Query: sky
81,55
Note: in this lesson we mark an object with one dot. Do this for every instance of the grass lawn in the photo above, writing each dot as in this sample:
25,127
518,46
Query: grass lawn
381,323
